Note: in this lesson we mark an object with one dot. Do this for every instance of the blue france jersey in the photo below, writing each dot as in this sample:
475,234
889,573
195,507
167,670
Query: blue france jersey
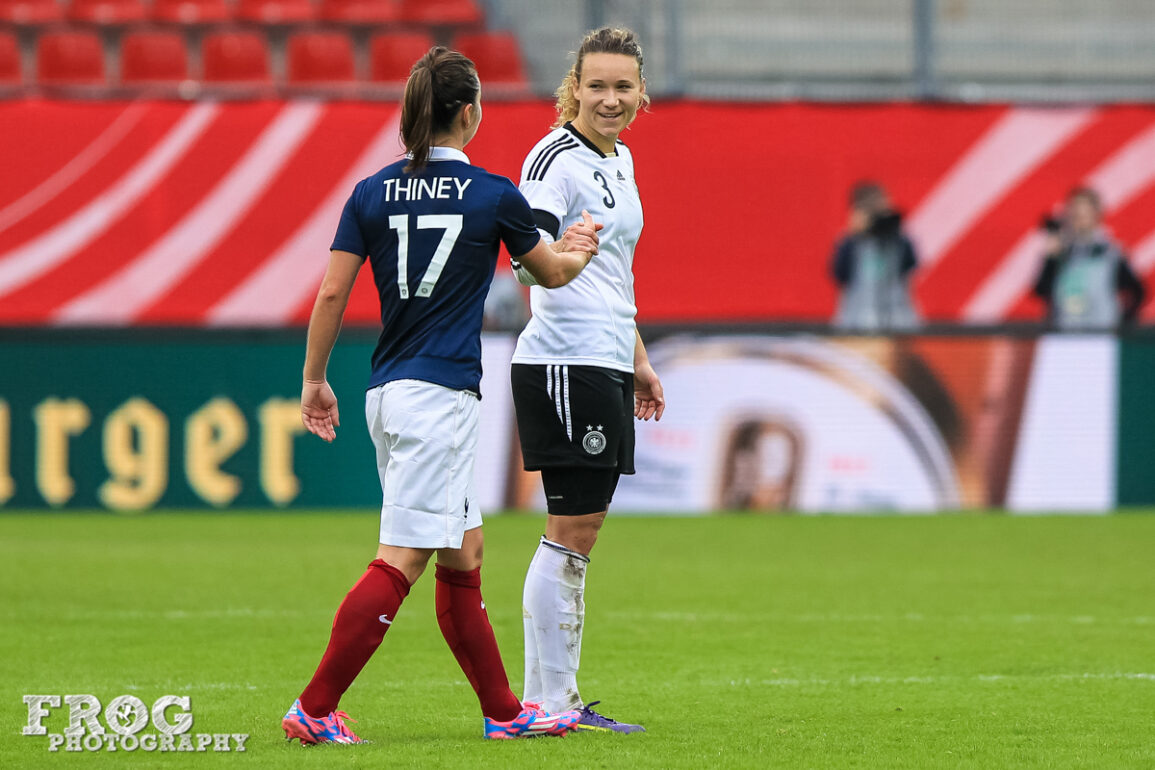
432,240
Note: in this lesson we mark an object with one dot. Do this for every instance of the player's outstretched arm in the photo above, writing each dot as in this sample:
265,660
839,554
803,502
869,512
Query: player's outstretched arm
551,268
318,402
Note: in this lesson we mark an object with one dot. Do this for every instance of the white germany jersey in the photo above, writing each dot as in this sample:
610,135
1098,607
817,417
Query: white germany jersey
590,320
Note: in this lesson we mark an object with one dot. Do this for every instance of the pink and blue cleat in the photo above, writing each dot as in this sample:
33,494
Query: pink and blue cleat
331,729
532,722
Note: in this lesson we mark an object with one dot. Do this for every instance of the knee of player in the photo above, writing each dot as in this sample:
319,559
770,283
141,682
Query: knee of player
575,532
410,562
466,558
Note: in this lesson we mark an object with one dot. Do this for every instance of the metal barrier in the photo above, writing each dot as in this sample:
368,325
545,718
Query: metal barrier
965,50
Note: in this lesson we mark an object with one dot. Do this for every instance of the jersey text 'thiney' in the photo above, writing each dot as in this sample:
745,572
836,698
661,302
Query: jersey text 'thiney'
432,240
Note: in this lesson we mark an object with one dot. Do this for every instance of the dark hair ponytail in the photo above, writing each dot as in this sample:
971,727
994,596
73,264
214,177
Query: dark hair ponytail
440,84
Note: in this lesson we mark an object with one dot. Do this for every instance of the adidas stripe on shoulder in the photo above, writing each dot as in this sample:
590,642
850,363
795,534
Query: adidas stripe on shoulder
547,155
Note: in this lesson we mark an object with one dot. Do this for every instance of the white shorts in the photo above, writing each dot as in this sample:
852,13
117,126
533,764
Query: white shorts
426,437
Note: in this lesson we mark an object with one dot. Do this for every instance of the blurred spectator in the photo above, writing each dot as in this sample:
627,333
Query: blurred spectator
1086,280
506,307
872,265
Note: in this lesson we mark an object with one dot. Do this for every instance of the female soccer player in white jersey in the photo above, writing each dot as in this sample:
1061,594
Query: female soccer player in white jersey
580,372
430,227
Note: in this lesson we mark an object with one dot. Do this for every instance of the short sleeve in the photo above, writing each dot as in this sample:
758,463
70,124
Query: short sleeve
349,236
515,222
548,197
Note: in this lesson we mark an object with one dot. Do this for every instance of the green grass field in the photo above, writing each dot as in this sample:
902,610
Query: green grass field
959,641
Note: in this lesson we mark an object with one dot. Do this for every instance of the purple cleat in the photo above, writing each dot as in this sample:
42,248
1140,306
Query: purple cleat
592,720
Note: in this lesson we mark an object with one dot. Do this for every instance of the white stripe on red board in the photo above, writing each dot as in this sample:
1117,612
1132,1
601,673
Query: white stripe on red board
128,292
1143,262
1126,173
272,294
1009,151
31,260
65,176
1143,257
1122,176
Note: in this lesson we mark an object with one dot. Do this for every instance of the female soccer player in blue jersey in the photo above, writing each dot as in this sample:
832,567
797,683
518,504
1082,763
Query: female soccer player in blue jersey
430,227
580,371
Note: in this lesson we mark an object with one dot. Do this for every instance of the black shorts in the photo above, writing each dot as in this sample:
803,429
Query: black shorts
576,425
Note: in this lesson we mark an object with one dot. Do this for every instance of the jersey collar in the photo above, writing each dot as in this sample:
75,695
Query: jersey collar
447,153
583,139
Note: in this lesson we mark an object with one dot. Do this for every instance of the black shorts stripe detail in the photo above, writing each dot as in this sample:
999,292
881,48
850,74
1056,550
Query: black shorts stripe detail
548,222
557,385
546,160
545,151
552,388
574,416
565,402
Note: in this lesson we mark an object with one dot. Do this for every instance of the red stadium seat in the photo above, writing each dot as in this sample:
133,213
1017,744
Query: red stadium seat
30,11
320,57
70,58
454,12
191,11
276,11
107,11
496,54
360,11
153,57
391,55
235,57
9,59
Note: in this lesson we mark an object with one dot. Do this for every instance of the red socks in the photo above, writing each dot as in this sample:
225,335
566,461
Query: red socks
368,610
465,626
358,628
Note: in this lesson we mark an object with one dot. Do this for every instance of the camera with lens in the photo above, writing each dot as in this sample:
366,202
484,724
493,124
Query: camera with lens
885,224
1051,224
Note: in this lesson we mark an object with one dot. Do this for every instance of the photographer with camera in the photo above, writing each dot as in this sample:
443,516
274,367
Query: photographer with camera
1086,280
872,265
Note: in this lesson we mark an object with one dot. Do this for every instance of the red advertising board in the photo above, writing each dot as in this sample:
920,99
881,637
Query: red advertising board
220,214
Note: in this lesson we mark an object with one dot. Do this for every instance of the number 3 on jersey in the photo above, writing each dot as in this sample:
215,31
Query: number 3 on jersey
450,223
609,199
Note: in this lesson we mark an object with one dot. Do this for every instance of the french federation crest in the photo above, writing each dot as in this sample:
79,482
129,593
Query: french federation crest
595,441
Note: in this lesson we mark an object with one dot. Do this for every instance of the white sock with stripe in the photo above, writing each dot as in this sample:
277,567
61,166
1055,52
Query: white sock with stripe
554,611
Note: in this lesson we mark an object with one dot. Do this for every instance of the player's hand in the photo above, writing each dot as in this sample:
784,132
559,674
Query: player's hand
319,410
582,236
649,401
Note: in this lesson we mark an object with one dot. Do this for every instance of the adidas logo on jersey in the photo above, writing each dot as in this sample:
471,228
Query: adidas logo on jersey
621,176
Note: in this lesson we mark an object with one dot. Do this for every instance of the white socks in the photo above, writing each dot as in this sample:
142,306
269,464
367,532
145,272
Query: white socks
553,608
